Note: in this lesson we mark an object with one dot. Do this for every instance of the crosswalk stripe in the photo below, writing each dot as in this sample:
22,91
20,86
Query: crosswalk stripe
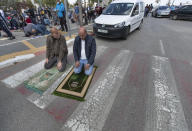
47,97
165,112
4,39
18,78
92,114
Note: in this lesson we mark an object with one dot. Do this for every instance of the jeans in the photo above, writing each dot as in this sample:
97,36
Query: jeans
79,69
41,29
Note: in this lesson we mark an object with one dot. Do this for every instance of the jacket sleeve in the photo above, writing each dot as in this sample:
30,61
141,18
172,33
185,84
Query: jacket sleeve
62,8
93,52
48,48
63,49
75,50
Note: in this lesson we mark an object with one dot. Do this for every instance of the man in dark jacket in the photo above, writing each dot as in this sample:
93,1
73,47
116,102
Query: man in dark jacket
56,50
84,51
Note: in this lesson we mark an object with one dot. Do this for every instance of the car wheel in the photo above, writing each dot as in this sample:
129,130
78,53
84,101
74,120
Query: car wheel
124,37
175,17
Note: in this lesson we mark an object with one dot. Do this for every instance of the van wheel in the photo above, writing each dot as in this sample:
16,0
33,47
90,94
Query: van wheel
124,37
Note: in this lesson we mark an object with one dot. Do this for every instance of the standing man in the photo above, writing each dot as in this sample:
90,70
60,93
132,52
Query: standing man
56,50
76,13
61,14
4,26
84,51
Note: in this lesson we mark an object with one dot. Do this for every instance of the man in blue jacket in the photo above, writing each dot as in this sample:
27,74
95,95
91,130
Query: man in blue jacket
84,51
61,14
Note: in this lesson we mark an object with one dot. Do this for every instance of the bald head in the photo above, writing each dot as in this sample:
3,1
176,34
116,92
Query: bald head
82,33
55,33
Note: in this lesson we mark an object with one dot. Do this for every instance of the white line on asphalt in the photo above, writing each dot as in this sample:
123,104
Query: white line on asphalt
168,112
47,97
162,48
22,40
92,114
16,59
4,39
18,78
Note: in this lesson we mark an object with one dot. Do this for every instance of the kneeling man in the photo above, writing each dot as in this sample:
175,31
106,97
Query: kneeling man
84,51
56,50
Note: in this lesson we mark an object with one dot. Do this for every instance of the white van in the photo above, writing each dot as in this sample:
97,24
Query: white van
119,19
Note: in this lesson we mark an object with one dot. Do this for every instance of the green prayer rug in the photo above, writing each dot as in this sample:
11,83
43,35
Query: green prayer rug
74,85
41,81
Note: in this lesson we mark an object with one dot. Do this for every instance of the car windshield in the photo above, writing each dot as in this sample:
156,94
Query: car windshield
118,9
163,7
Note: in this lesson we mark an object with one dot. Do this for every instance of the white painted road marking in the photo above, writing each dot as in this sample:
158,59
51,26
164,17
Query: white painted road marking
162,48
4,39
22,40
92,114
16,59
18,78
47,97
167,113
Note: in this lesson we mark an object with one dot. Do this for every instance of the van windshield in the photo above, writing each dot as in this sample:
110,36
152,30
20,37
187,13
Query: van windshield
118,9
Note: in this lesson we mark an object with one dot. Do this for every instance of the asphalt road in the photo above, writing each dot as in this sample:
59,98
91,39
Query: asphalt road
142,84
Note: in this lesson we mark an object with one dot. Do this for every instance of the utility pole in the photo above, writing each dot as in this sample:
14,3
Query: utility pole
80,13
67,18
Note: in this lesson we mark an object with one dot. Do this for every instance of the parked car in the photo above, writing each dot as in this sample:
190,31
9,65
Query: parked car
161,11
119,19
184,12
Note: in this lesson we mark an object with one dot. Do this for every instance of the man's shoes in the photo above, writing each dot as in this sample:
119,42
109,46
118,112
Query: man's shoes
12,37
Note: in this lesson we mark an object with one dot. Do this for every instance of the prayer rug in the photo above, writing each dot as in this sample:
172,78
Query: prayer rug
41,81
74,85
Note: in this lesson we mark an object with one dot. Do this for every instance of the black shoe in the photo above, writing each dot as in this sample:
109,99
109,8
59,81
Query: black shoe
12,37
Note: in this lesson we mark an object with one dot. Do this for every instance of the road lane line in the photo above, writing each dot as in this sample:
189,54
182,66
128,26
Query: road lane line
12,55
18,78
47,97
4,39
22,40
16,60
167,113
92,114
162,48
29,45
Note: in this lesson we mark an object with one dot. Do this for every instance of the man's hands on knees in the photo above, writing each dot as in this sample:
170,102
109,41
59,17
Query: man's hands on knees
77,64
87,67
59,65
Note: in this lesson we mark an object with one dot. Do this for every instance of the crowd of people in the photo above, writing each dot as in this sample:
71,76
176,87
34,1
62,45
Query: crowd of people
34,21
29,20
148,8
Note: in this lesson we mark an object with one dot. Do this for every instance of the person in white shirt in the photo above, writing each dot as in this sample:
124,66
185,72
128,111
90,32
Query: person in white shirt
84,51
